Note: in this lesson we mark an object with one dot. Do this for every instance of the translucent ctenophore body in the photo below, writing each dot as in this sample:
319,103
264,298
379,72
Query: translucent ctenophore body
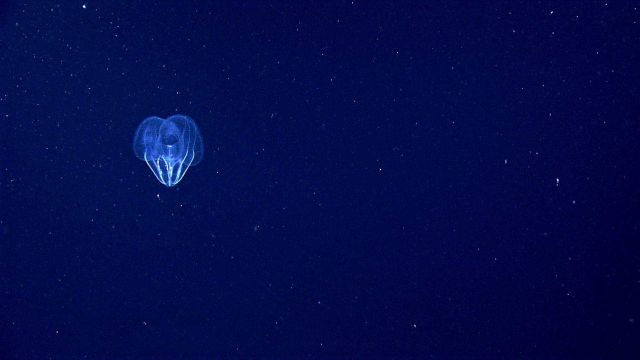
169,146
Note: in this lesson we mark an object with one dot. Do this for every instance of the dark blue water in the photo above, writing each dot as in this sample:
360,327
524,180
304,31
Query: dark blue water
411,180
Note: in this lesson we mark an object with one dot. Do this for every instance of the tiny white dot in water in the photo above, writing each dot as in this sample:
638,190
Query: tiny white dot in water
84,6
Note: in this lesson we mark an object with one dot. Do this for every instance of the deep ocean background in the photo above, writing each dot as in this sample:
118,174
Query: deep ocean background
448,179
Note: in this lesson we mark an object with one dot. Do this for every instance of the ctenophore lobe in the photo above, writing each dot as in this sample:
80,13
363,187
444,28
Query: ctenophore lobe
168,146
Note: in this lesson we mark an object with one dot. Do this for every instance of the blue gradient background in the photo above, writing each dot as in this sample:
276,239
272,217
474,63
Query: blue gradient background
446,179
